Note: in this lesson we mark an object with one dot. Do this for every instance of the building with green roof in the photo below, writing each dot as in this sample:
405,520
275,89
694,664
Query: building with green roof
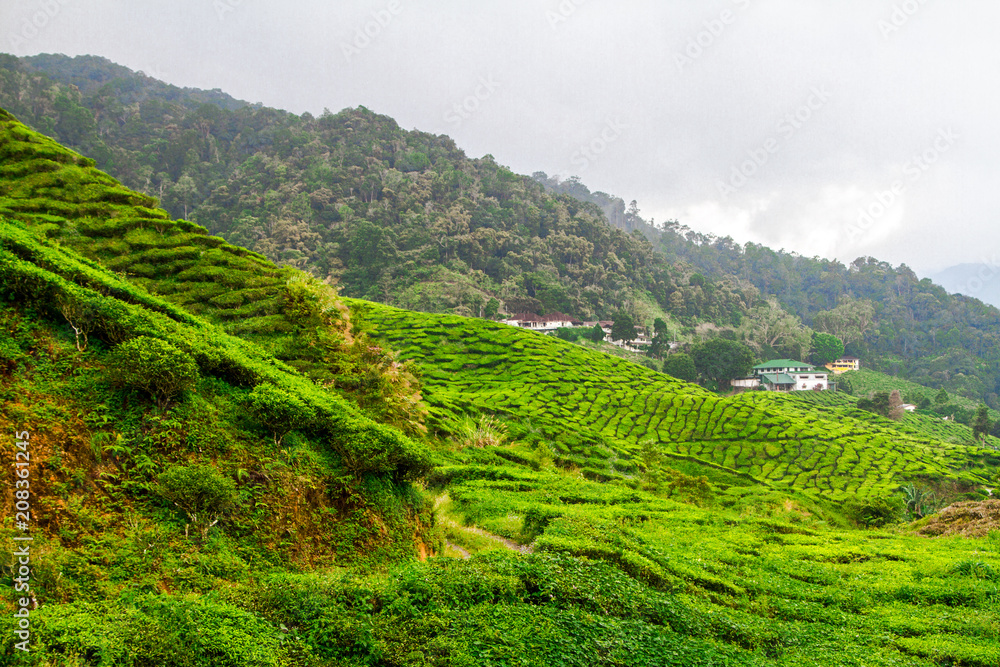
786,375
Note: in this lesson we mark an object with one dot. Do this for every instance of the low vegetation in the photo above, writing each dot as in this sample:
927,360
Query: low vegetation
221,477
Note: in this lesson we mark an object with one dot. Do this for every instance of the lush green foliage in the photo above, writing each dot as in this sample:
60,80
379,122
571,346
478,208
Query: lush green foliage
826,348
887,316
200,491
154,366
297,319
278,410
593,411
614,515
680,366
396,216
623,328
722,360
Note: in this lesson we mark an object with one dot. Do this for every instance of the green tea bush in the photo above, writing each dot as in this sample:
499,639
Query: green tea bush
200,491
875,511
278,411
162,630
155,366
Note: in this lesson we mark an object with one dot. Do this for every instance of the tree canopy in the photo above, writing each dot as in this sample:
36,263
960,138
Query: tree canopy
722,360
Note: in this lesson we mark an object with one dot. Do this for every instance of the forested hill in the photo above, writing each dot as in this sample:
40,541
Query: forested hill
916,328
406,218
893,320
401,217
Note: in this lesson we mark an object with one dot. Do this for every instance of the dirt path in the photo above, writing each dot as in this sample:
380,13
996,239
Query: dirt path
461,552
510,544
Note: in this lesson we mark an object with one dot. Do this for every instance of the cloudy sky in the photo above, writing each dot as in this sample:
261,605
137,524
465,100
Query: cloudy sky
839,129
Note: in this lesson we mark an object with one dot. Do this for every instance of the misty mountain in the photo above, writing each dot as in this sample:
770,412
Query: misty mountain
980,281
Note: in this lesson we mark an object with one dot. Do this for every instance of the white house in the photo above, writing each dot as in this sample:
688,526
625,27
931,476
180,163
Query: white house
789,375
549,322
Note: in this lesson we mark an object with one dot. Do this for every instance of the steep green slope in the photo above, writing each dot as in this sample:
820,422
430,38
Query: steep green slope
299,320
395,216
620,574
109,539
596,412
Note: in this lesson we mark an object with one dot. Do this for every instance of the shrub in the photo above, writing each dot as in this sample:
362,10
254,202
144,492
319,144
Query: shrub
875,511
278,410
680,366
200,491
487,432
154,366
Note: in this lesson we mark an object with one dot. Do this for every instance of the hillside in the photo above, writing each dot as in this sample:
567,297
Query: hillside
913,328
207,487
897,323
298,319
405,218
402,217
596,412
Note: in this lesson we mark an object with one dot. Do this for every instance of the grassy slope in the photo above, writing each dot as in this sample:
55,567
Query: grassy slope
744,576
866,381
595,411
59,194
336,491
621,574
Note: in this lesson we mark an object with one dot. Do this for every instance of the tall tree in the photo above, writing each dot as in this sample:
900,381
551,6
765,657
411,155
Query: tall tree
826,348
769,327
722,360
981,423
680,366
623,327
849,321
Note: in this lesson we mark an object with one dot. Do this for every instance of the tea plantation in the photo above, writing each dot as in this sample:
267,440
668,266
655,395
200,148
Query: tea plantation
203,495
596,412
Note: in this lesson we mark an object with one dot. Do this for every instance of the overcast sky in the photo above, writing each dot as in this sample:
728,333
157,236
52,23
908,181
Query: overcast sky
839,129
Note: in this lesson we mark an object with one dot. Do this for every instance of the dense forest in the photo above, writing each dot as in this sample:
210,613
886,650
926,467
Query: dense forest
406,218
893,320
391,215
916,330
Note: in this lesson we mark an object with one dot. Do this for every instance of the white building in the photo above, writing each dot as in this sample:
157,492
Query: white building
789,375
549,322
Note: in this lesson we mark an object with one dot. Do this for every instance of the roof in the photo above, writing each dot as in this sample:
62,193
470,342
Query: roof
551,317
782,363
778,378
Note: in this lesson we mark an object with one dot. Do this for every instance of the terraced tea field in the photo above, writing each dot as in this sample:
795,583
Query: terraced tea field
595,412
60,194
774,589
919,423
